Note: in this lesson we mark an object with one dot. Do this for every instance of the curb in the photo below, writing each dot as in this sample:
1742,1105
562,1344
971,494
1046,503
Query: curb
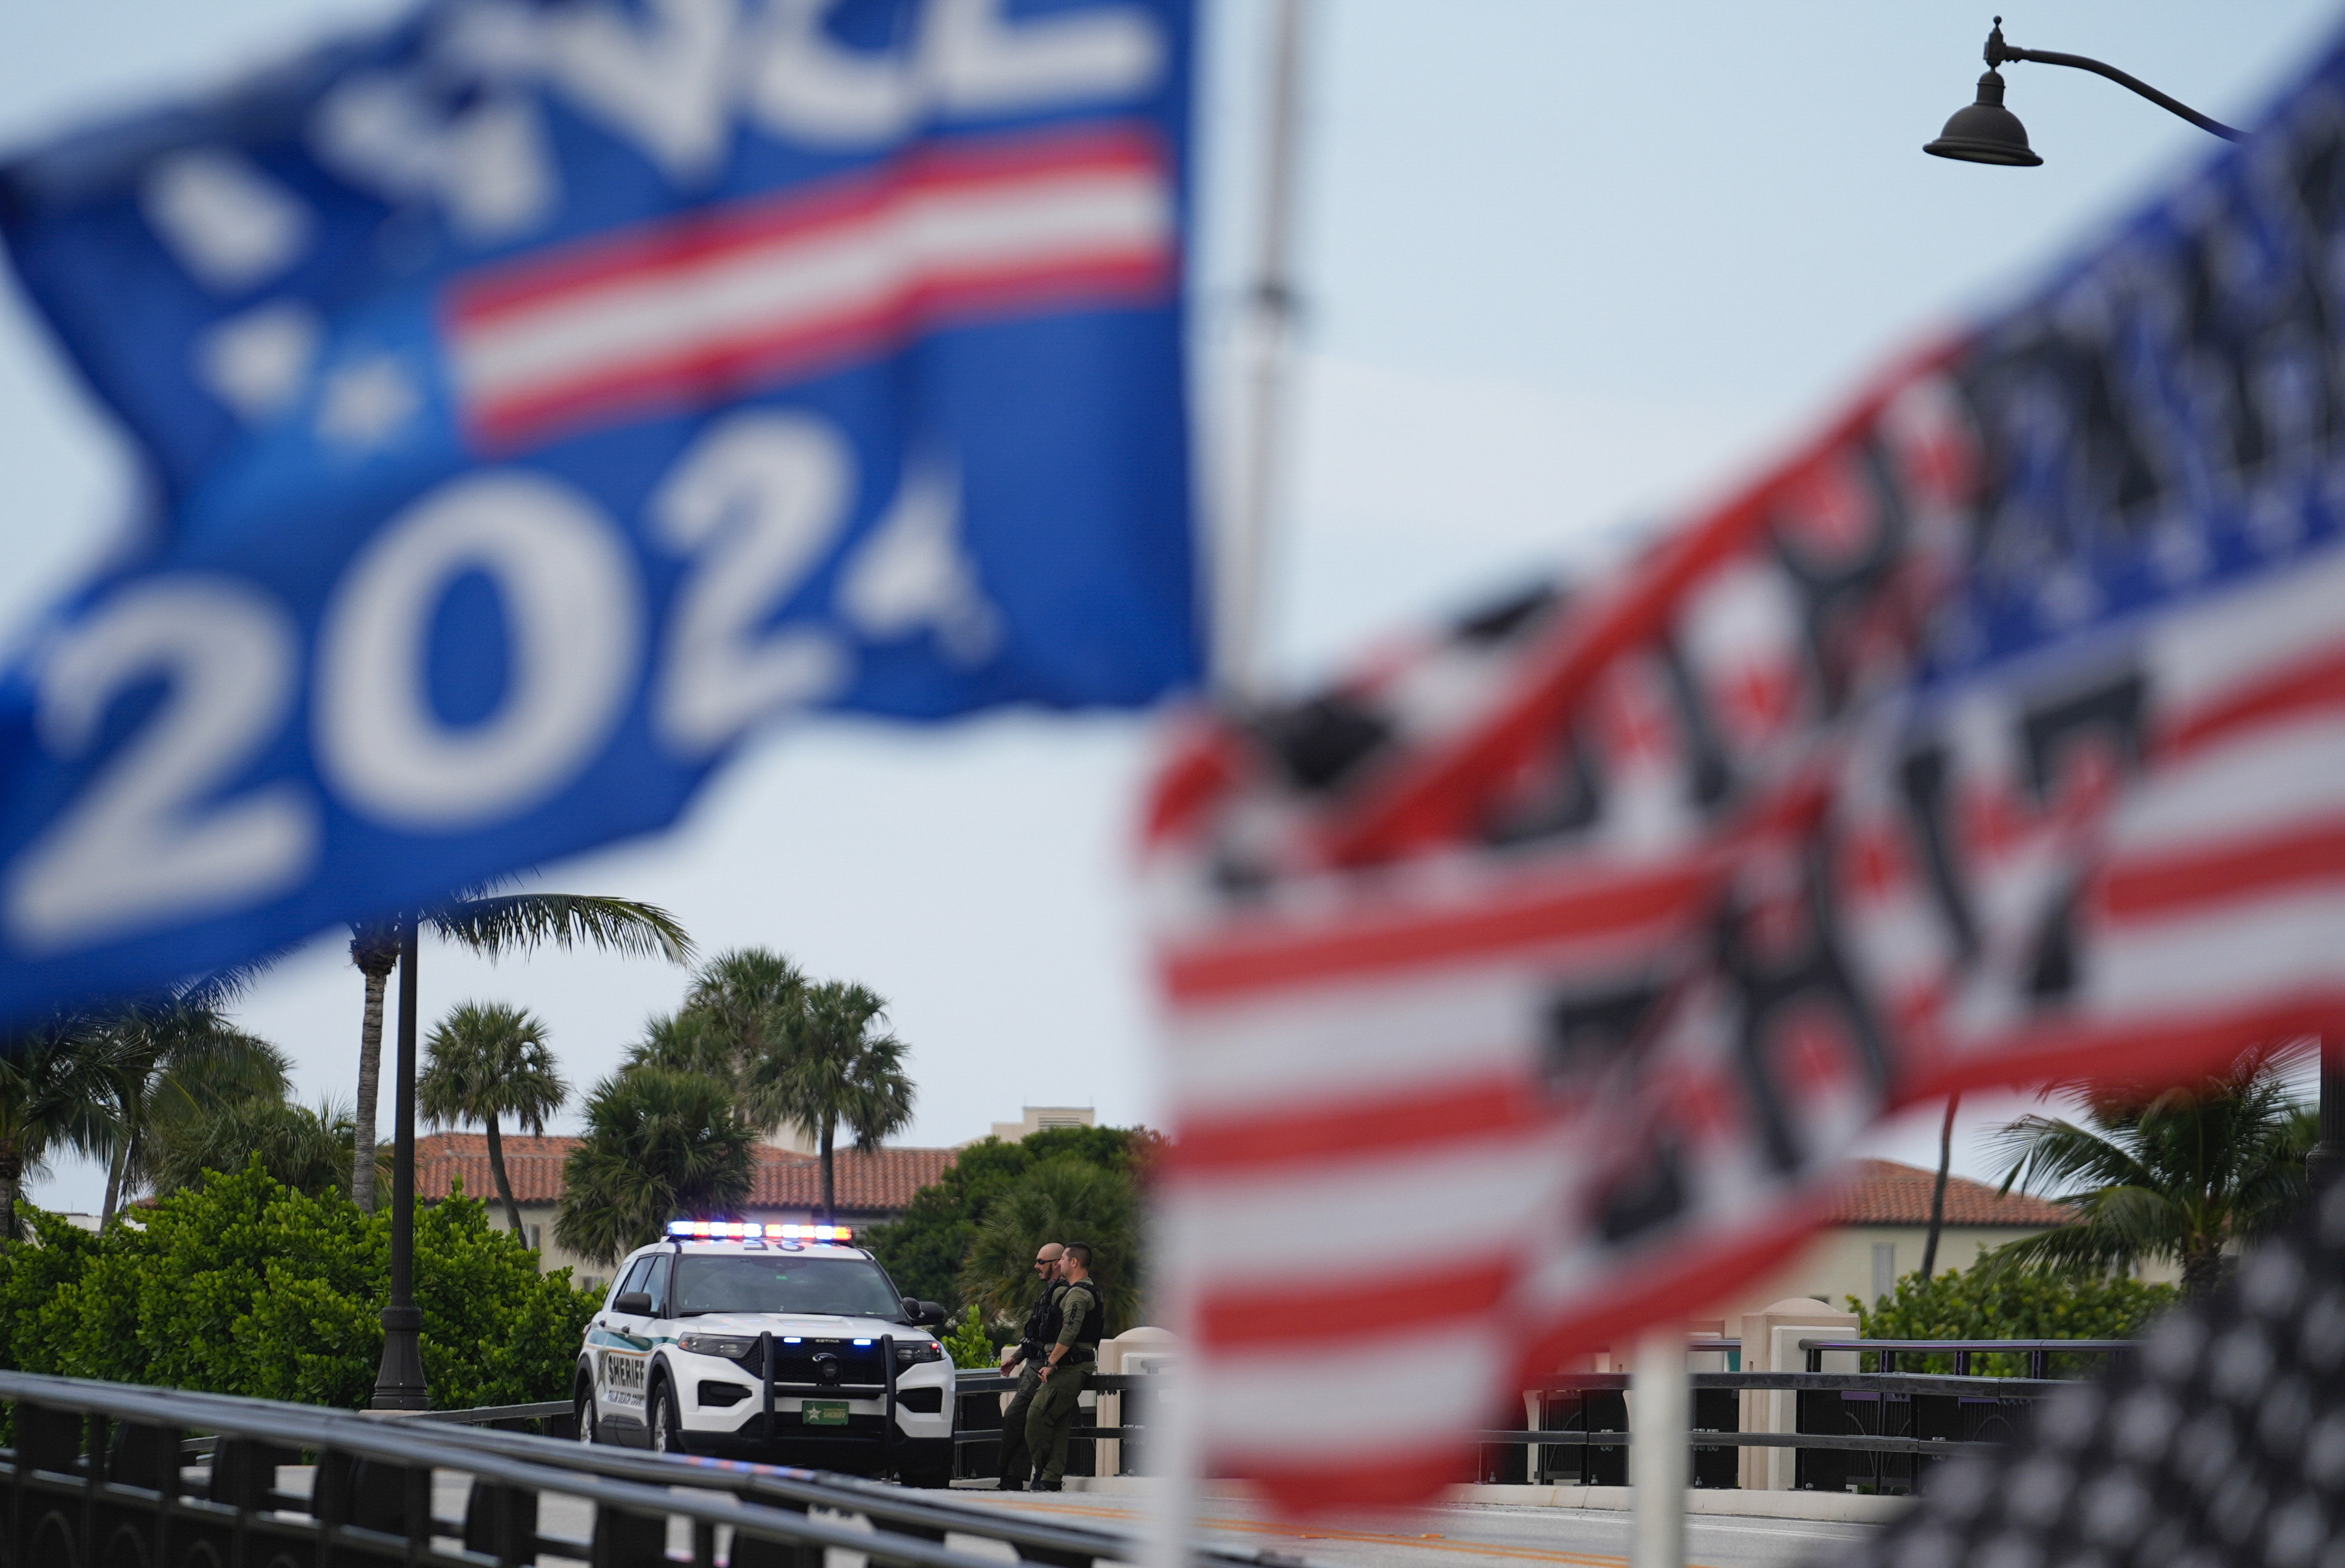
1829,1507
1824,1507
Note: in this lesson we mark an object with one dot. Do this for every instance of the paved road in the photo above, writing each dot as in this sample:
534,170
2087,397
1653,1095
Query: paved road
1470,1535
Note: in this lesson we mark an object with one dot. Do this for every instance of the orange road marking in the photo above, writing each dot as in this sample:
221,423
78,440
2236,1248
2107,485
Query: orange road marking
1370,1537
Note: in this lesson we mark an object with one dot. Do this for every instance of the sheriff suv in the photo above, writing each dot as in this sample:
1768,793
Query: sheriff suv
784,1343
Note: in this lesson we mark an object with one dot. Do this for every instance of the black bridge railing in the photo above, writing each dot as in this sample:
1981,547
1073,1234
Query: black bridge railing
1873,1430
98,1475
110,1474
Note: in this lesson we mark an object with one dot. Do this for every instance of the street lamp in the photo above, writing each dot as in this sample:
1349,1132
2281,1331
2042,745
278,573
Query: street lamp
1987,132
398,1384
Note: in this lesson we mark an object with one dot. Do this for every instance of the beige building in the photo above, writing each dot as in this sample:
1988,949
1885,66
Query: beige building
1038,1117
1879,1226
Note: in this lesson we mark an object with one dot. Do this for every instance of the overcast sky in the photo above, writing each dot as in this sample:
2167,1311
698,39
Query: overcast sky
1568,269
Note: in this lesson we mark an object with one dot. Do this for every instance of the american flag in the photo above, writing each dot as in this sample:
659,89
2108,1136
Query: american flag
1525,989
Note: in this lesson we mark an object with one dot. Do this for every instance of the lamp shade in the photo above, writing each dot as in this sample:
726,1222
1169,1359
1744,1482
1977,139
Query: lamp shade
1984,131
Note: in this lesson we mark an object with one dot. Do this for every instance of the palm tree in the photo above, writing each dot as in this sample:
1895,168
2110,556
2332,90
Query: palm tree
836,1072
687,1042
175,1059
486,1060
2180,1174
306,1149
493,925
749,998
659,1143
374,949
47,1100
1061,1200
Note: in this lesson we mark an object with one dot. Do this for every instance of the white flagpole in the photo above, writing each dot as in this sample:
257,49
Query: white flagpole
1242,563
1661,1435
1176,1447
1175,1456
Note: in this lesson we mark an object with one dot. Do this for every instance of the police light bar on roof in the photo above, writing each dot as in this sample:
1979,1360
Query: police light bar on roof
750,1231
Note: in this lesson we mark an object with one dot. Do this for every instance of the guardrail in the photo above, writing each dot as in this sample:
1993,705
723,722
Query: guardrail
552,1418
1877,1431
2038,1352
96,1474
1594,1452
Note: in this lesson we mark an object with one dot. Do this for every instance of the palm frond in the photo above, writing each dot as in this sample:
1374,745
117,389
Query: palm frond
523,921
2176,1172
2052,1157
1061,1200
487,1058
686,1041
222,988
836,1070
658,1143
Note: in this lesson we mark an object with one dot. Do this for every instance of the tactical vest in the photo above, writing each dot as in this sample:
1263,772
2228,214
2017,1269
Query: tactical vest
1042,1328
1087,1338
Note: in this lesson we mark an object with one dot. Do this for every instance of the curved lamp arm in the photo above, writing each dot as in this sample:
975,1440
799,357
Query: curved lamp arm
1997,52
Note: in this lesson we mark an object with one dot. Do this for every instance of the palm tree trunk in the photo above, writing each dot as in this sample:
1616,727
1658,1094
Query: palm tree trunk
2202,1266
829,1184
362,1157
497,1169
11,1181
114,1170
1938,1193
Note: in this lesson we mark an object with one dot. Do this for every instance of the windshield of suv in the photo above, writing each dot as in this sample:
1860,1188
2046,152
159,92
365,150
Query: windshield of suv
782,1282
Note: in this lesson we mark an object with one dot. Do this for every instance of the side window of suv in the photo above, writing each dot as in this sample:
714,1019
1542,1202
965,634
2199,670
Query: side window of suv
633,1279
661,1267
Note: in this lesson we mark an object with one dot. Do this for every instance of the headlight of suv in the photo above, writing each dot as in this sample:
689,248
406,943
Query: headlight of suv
928,1351
732,1347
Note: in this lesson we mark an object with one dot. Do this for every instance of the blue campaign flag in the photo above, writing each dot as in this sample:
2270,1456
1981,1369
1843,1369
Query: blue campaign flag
539,397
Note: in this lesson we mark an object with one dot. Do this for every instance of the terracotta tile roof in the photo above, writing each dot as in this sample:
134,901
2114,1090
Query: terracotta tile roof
1882,1192
533,1164
880,1183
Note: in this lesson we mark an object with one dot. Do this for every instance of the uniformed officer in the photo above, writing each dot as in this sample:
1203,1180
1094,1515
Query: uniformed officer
1033,1344
1076,1319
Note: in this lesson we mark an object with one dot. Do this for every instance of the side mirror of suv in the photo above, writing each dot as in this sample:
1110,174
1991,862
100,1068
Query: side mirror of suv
928,1314
635,1303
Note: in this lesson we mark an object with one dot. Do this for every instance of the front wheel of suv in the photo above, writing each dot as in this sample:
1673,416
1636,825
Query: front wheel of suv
584,1402
926,1462
668,1428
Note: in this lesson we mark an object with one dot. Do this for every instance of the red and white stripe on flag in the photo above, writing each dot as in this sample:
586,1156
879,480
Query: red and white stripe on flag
746,294
1526,990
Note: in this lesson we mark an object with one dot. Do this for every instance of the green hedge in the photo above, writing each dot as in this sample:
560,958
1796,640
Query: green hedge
2010,1306
244,1286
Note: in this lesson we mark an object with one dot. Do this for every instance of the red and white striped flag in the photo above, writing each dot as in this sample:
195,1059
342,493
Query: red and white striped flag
1524,990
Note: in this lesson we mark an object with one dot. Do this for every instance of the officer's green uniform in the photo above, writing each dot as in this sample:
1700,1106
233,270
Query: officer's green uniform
1033,1346
1078,1314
